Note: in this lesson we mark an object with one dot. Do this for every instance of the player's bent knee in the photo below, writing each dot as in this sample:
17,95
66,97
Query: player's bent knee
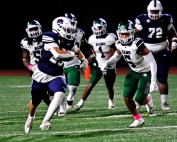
162,80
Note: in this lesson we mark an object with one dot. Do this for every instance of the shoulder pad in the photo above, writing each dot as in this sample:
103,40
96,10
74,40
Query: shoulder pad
138,42
24,43
49,37
80,30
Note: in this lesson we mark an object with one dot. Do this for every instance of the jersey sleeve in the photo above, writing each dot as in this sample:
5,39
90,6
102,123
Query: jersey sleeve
23,43
139,44
49,40
112,39
82,33
169,19
138,23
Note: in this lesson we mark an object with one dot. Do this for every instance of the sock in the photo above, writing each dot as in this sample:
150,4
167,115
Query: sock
31,117
57,99
137,117
72,92
81,102
164,98
62,106
149,99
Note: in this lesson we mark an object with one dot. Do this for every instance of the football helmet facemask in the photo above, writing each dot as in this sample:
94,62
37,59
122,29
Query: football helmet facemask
63,27
126,32
99,27
72,19
33,29
154,10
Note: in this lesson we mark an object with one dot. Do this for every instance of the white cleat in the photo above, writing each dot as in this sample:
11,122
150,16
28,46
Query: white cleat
111,104
69,105
137,123
55,114
61,114
78,106
45,125
62,111
150,105
165,106
28,125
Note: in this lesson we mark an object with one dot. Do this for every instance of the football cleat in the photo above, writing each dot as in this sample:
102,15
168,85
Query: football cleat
150,105
61,113
111,104
45,125
78,105
137,123
69,105
28,125
165,106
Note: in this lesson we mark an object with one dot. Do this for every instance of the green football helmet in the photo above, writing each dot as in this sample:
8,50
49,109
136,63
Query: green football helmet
126,27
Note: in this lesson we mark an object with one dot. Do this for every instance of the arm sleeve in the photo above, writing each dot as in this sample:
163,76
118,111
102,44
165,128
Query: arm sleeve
150,59
114,59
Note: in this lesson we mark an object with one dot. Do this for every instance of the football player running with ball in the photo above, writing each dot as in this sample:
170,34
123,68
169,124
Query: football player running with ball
142,75
58,46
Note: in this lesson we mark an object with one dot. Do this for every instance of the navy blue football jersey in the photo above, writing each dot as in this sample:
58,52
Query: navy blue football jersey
48,64
154,31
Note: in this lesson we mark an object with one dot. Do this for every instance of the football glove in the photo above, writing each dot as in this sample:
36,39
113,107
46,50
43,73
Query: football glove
104,68
84,64
153,86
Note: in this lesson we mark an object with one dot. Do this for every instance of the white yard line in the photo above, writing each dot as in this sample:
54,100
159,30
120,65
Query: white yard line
85,131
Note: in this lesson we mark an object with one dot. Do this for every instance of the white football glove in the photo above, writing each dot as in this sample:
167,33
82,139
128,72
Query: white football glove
84,64
34,67
104,68
153,86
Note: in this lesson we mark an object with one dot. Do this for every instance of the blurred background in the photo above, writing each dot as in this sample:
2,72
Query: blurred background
15,15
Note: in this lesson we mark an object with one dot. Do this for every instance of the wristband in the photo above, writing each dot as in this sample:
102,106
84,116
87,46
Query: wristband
30,67
174,44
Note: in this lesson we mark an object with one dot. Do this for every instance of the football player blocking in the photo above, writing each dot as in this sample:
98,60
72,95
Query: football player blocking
141,79
155,28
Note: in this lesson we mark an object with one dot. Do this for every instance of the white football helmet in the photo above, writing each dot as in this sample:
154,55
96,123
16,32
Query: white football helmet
34,29
63,27
154,6
99,27
72,19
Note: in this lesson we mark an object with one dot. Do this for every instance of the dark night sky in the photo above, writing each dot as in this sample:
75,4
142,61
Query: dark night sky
16,15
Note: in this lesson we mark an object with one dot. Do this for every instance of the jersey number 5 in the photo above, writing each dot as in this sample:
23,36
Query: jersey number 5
128,60
37,55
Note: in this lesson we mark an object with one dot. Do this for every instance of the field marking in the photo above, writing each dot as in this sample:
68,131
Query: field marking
113,116
85,131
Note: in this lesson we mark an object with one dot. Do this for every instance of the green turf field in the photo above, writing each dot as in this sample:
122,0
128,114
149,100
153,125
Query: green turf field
93,123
